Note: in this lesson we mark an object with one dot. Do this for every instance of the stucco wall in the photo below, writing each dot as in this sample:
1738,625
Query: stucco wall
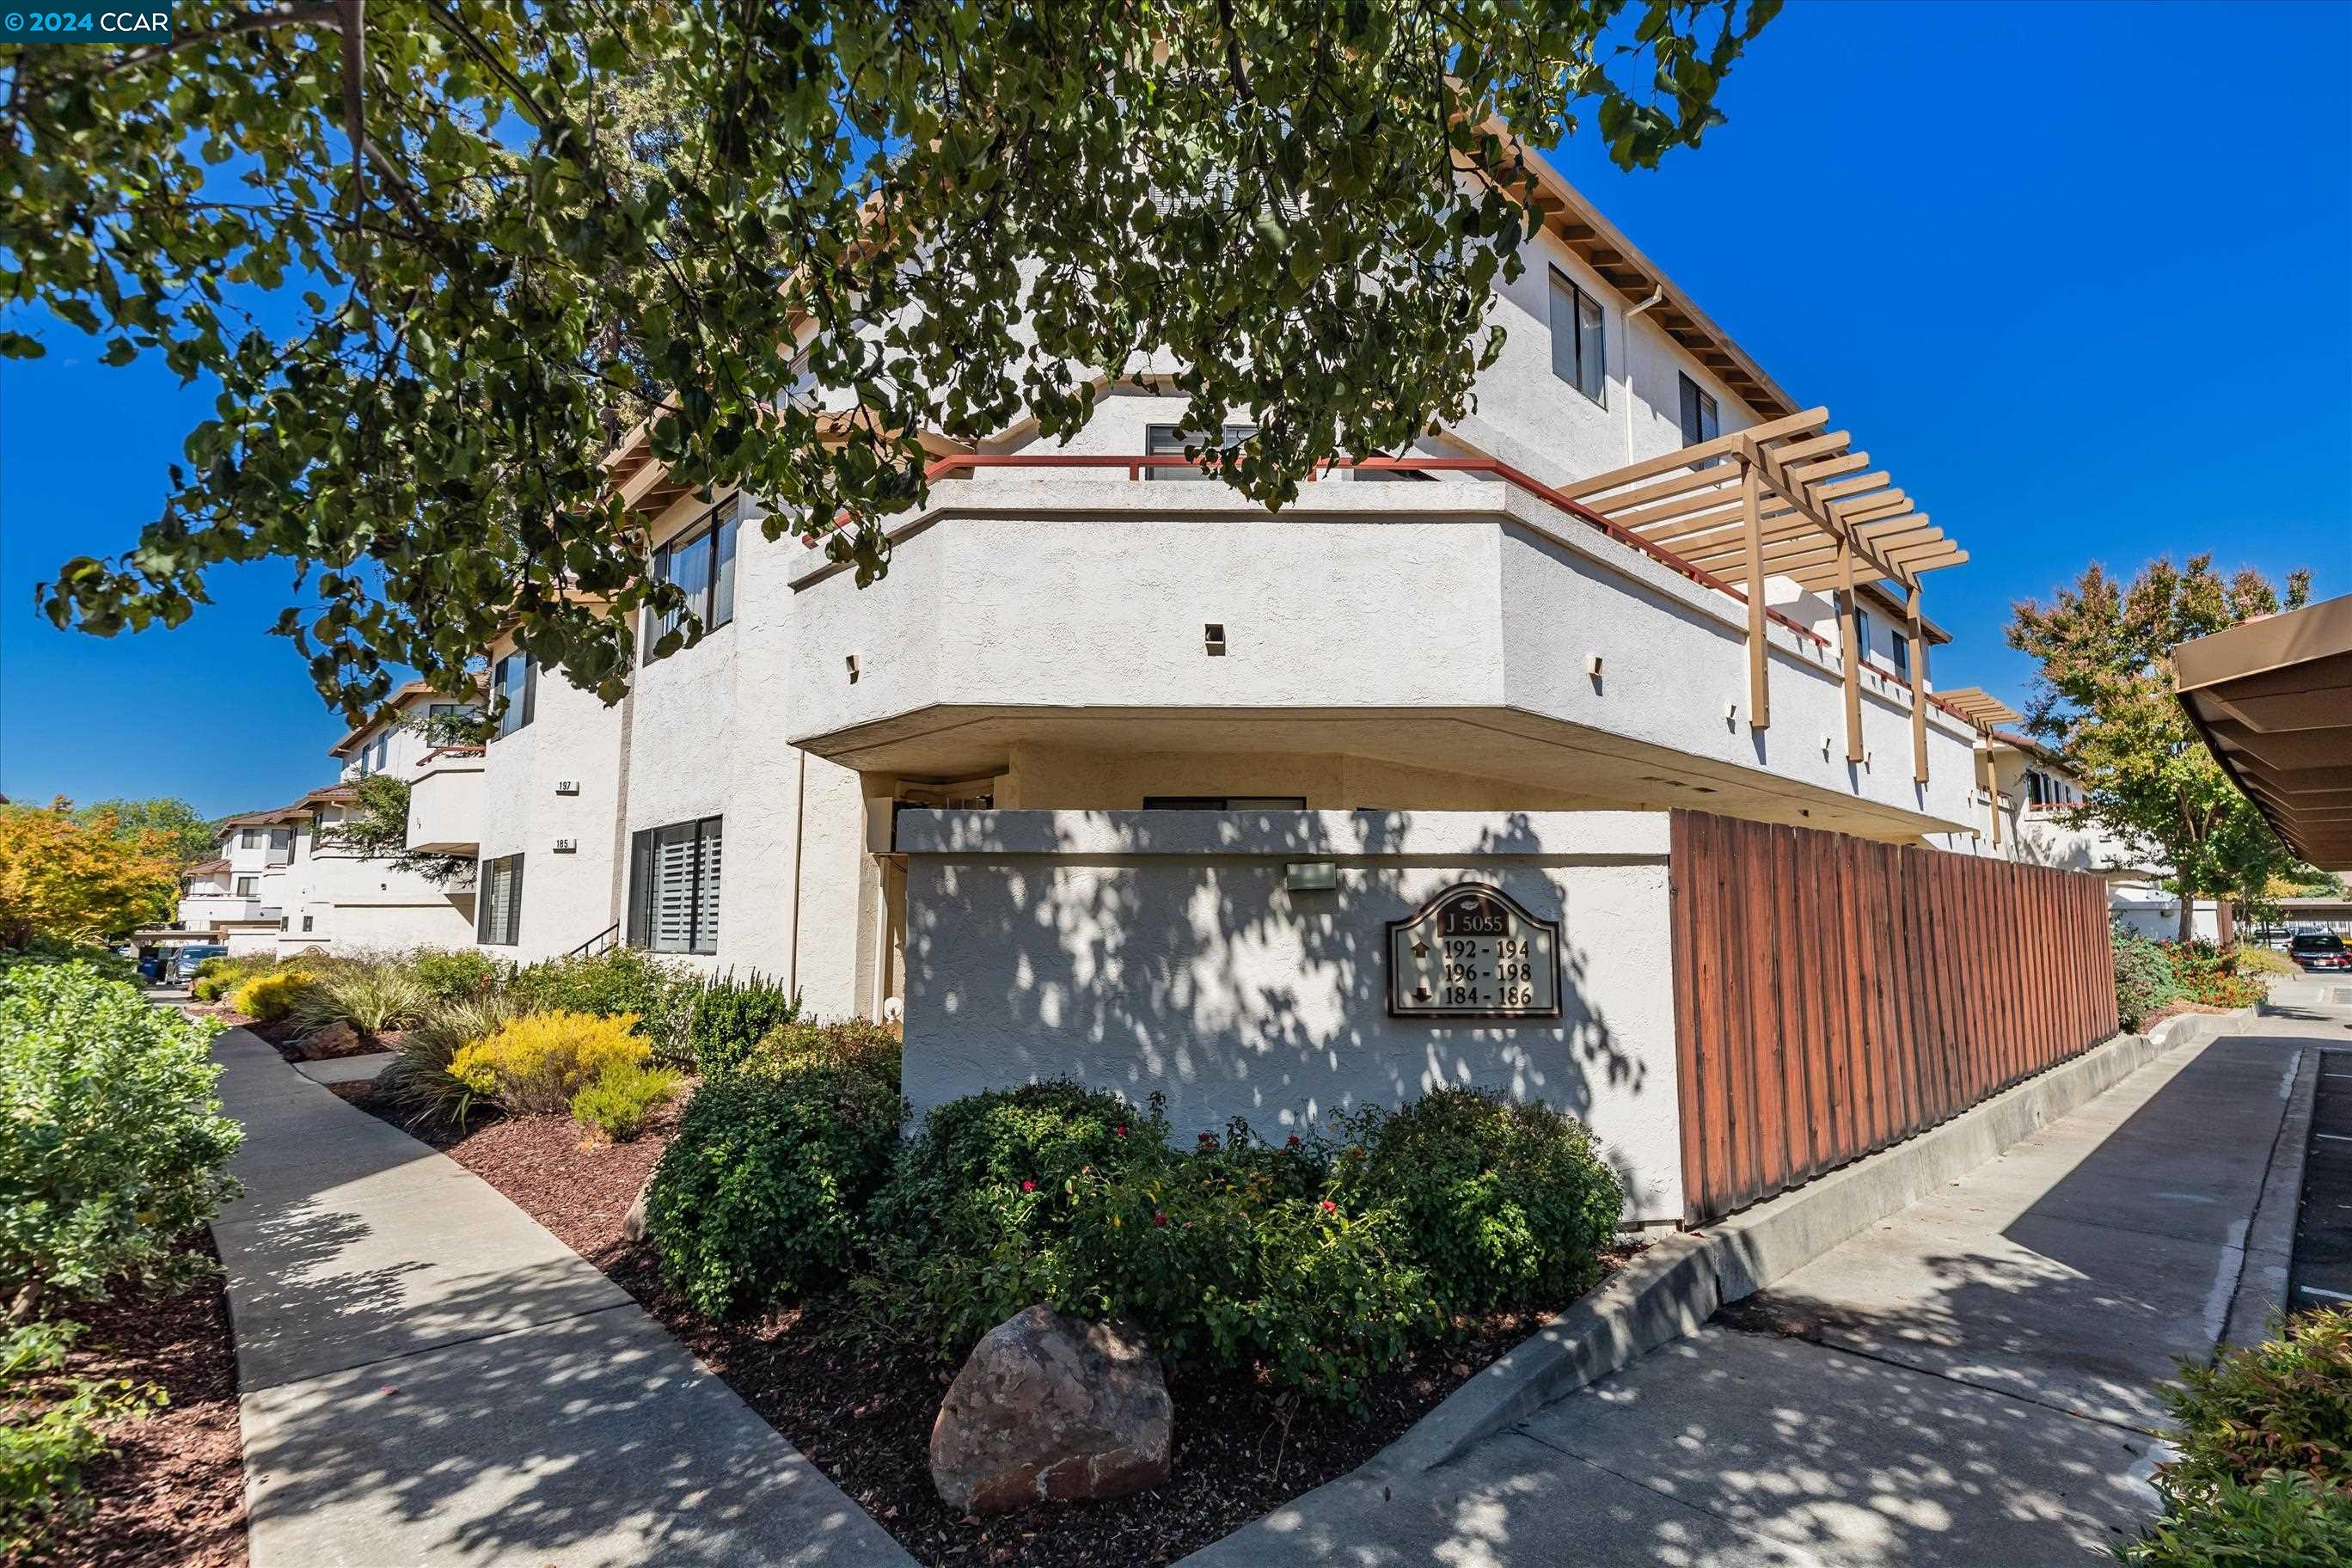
1159,952
566,898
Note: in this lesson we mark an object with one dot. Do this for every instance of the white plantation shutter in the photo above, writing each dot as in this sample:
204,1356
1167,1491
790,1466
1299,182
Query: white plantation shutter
706,901
673,889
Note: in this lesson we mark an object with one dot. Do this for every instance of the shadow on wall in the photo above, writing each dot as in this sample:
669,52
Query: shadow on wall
1162,953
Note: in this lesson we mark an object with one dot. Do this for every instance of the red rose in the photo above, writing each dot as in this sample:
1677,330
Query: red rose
1028,1186
1118,1132
1292,1140
1207,1139
1159,1218
1331,1207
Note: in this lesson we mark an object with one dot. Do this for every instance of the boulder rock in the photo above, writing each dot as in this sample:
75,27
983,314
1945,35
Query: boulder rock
632,1224
1052,1409
332,1040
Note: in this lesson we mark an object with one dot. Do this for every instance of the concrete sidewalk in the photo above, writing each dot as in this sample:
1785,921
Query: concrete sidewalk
1968,1384
427,1376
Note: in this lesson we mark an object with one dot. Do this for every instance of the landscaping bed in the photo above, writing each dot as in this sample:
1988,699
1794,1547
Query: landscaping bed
861,1408
172,1490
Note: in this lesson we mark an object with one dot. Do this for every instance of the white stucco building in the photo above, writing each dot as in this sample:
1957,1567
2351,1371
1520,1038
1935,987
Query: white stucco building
1124,777
278,886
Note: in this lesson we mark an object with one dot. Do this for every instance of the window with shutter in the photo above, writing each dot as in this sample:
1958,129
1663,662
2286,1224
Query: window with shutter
498,914
674,886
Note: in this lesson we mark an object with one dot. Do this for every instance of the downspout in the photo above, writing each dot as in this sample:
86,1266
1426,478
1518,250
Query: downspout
621,811
1656,294
800,836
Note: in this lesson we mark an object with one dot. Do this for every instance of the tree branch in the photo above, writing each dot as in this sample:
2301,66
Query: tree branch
293,14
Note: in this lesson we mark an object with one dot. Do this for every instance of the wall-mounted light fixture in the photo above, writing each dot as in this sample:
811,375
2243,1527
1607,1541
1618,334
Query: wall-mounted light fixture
1212,640
850,661
1310,876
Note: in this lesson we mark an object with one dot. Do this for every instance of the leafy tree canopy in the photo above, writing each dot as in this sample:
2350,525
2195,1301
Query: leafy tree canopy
80,881
2105,700
514,228
375,827
175,827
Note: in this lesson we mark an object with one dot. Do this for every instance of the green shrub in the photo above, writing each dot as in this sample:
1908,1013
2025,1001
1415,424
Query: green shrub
1507,1204
851,1043
758,1194
268,998
1231,1255
418,1079
2283,1404
115,1146
2208,974
622,980
44,949
619,1101
454,974
534,1064
2144,982
49,1430
208,987
2262,1471
2253,959
373,995
2284,1520
728,1016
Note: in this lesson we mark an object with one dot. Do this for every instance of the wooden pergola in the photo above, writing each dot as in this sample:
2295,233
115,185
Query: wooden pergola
1987,713
1794,500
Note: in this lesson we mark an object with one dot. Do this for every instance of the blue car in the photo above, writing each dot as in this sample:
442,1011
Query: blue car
184,961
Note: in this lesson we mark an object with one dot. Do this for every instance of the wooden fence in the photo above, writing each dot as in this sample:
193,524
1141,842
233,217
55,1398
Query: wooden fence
1833,996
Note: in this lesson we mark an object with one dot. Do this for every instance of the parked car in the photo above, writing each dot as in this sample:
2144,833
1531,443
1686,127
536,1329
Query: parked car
183,963
2320,950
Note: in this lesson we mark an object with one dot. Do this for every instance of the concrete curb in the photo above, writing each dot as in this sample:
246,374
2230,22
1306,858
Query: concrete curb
2269,1264
1674,1286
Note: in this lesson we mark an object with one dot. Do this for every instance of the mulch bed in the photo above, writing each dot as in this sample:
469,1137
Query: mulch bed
863,1415
172,1494
318,1045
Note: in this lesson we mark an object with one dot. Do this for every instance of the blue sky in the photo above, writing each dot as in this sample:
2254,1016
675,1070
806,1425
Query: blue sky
2079,275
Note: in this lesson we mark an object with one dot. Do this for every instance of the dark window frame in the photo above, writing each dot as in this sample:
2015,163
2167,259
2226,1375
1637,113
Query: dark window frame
722,526
245,887
1903,655
1700,408
1579,368
644,888
519,710
485,902
1169,441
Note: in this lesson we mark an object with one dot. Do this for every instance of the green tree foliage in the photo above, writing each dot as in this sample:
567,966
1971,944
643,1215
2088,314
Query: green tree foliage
164,823
559,215
2105,700
375,827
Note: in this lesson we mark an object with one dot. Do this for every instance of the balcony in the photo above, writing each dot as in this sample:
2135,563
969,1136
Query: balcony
444,801
1484,628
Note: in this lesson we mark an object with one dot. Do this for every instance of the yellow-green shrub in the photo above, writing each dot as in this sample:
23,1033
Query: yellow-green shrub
536,1063
2253,960
620,1101
267,998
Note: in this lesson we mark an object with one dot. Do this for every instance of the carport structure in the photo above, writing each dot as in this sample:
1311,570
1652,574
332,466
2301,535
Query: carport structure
2274,699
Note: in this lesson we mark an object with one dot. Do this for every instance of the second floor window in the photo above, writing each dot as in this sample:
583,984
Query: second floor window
674,886
1580,347
1169,441
1862,633
1702,416
701,561
498,915
281,847
248,838
515,679
1903,656
246,885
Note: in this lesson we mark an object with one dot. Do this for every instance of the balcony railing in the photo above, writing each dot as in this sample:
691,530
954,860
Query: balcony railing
1779,499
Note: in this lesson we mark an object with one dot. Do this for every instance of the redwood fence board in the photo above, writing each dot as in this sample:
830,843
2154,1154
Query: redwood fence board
1833,996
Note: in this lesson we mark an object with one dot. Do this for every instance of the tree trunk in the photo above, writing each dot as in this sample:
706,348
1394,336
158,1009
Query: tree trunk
2188,916
2224,923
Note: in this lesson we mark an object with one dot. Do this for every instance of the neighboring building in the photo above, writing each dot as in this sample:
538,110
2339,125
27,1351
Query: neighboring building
278,887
